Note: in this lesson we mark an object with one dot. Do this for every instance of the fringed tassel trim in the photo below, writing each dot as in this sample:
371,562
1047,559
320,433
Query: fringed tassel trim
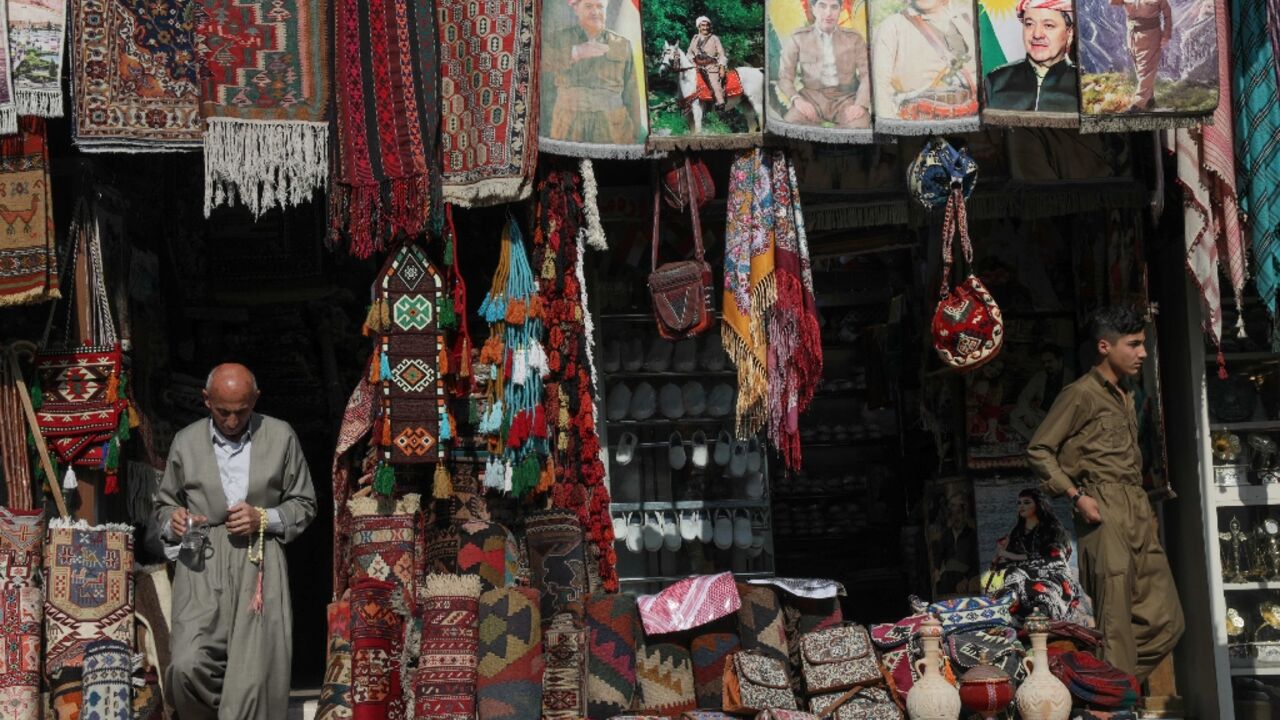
590,208
442,585
41,103
59,523
263,165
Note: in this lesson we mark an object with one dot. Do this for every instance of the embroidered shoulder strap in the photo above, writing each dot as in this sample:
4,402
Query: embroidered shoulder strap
956,215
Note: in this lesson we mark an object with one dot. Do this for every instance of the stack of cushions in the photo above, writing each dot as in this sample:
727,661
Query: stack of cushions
666,680
1095,682
613,639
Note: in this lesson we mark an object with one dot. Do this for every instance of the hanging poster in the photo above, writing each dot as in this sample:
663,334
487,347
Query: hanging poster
819,70
592,79
924,66
1146,64
704,64
1028,69
952,537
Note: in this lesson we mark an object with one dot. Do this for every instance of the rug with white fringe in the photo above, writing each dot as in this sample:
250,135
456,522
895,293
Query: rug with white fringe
264,99
37,32
88,589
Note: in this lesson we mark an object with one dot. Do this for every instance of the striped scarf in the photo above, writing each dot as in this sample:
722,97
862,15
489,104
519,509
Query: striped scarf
1254,83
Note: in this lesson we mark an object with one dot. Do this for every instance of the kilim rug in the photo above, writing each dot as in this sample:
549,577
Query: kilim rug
67,696
335,692
21,545
153,599
377,645
556,560
108,665
442,550
414,412
444,685
264,97
383,547
760,624
564,691
88,589
37,31
350,456
28,256
510,667
488,99
134,77
487,550
387,118
709,653
613,635
19,652
665,671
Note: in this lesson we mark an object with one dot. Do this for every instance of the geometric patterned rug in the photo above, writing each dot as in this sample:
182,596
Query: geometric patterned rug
377,644
384,547
88,590
107,687
613,632
20,652
21,545
509,682
444,685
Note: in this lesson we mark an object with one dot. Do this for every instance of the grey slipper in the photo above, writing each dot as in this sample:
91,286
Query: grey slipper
633,355
738,462
720,402
695,399
618,402
612,356
644,401
626,450
675,451
724,448
753,455
659,357
713,357
685,357
671,402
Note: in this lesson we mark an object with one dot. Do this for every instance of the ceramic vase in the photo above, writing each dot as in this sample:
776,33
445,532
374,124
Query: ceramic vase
986,690
932,697
1041,696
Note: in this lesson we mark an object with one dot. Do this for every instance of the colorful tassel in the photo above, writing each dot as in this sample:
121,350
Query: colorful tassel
384,479
256,605
384,317
446,426
112,484
69,481
442,484
465,358
375,365
384,367
113,388
1222,366
515,312
448,318
386,432
122,430
442,360
135,419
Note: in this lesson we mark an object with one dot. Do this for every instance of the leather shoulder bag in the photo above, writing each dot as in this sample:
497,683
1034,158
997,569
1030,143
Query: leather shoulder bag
681,291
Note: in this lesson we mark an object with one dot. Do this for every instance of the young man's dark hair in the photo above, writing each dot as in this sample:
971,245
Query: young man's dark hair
1113,321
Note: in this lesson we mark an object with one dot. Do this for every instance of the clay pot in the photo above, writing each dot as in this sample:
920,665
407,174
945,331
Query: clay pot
1042,696
932,697
986,689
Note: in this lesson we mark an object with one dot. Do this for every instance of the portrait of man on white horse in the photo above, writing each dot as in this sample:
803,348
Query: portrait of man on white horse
705,61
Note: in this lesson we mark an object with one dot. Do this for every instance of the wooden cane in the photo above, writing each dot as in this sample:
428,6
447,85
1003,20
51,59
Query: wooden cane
41,449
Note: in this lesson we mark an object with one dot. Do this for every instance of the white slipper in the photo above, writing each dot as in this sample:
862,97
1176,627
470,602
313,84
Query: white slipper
653,533
724,448
618,402
706,529
635,532
626,450
699,454
670,534
755,486
619,527
676,456
757,546
689,526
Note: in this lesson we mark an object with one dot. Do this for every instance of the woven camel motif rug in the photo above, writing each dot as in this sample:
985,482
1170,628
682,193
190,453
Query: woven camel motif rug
108,695
510,662
377,647
28,256
20,652
665,671
488,99
444,685
134,77
37,31
264,97
335,692
21,546
385,546
386,119
613,635
88,590
487,550
556,559
564,691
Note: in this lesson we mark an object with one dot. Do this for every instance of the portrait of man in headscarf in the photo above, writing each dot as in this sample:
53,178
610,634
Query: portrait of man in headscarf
1044,79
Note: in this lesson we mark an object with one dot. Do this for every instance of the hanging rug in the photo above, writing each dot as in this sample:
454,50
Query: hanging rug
37,30
20,652
88,589
28,259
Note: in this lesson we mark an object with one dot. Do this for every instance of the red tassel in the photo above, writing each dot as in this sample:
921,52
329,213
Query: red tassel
112,485
443,361
386,432
255,607
1222,366
539,423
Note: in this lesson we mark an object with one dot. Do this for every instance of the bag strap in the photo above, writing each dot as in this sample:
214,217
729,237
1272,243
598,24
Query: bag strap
86,228
699,253
956,215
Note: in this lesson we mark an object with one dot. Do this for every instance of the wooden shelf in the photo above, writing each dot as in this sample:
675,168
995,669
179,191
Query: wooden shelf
1237,670
1252,585
1259,425
1246,495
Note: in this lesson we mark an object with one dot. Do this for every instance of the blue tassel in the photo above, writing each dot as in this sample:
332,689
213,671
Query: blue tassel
384,368
106,452
446,433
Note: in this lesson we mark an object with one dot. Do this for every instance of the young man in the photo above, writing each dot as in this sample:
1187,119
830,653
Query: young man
1087,449
823,72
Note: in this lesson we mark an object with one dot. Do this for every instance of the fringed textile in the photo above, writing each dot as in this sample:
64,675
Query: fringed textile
556,560
509,659
377,649
387,118
570,389
90,590
21,546
489,100
264,97
1014,91
37,33
613,637
1257,118
108,687
20,616
28,256
564,689
445,681
386,545
357,422
8,102
1211,215
134,85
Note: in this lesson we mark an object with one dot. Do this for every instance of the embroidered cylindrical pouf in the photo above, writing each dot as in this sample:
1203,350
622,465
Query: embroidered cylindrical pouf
335,693
709,652
613,634
510,667
384,542
487,550
377,643
444,685
108,665
556,559
665,671
88,581
564,693
20,652
760,625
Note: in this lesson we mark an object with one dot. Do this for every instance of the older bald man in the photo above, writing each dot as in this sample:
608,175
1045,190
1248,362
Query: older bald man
225,477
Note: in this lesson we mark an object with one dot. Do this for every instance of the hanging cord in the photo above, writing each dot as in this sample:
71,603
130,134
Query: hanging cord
101,331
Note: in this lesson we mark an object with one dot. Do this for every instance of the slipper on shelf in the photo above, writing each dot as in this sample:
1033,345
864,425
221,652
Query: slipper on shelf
626,450
671,401
644,402
698,455
676,455
695,398
685,357
618,402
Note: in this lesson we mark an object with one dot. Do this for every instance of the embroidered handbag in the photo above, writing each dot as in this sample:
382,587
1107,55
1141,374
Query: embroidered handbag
677,182
681,291
776,714
972,613
755,682
937,169
873,703
838,658
968,328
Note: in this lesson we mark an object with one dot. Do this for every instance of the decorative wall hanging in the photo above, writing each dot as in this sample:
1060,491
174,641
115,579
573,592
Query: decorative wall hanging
924,67
37,32
108,667
509,659
488,145
444,685
20,616
265,98
820,80
1028,63
705,73
1257,126
377,641
613,636
1147,66
556,559
8,103
134,73
386,546
335,692
592,85
666,680
571,381
89,590
28,256
386,128
564,690
488,551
